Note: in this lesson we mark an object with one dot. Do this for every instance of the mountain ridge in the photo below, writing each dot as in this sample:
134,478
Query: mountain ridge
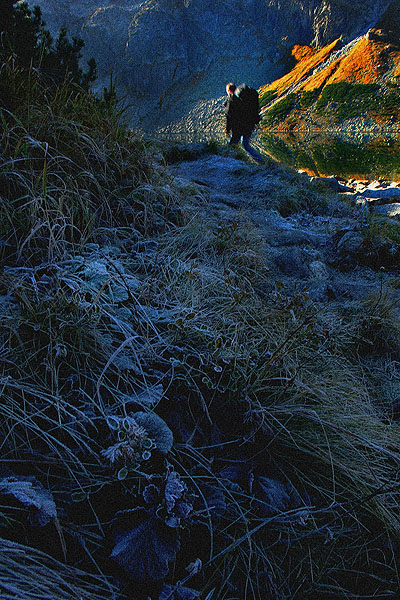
168,54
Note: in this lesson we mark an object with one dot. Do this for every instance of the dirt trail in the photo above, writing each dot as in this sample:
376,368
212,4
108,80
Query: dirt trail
319,251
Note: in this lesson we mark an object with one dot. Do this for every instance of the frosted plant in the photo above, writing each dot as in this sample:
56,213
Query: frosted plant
134,444
137,435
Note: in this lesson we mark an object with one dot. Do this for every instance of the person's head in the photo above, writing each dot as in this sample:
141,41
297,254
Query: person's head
230,89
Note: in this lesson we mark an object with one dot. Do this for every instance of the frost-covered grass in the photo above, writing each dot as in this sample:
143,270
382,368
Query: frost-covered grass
175,421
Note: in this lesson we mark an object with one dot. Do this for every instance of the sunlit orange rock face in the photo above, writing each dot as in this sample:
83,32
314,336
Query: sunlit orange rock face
307,60
373,58
369,61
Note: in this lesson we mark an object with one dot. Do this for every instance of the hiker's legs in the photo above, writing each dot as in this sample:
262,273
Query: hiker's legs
235,139
250,150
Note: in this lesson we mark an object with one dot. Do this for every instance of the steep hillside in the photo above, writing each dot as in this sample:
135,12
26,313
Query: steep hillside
170,54
357,84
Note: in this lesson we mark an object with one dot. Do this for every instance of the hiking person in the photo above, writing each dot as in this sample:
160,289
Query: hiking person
242,114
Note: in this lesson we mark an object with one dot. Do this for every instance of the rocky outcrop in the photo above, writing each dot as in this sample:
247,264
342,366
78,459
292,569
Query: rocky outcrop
166,54
351,18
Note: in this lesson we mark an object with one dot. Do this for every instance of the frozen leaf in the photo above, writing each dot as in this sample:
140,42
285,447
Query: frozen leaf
174,490
157,429
122,290
173,521
183,509
119,293
273,495
123,362
131,439
151,494
194,567
233,478
176,592
215,501
96,273
144,545
32,495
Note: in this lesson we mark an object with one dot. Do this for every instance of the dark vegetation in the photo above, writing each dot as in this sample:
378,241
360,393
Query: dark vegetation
280,110
27,47
308,98
174,422
266,98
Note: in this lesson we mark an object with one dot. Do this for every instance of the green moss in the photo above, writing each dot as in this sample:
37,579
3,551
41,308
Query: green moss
280,110
372,159
339,101
387,104
266,98
346,100
308,98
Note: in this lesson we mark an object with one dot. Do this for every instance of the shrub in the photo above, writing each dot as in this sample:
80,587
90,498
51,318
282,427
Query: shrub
267,97
347,99
25,41
307,98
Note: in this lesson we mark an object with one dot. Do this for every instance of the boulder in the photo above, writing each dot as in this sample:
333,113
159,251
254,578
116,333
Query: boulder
291,261
384,195
331,184
389,210
349,244
285,232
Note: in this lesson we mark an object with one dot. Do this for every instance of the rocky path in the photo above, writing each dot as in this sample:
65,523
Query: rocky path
323,250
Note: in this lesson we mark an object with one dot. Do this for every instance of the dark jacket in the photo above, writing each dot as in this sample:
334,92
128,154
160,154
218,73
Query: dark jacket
238,120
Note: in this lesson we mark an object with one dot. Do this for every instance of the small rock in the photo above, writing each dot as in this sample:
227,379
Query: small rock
376,185
318,270
382,193
342,188
390,210
329,183
291,262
